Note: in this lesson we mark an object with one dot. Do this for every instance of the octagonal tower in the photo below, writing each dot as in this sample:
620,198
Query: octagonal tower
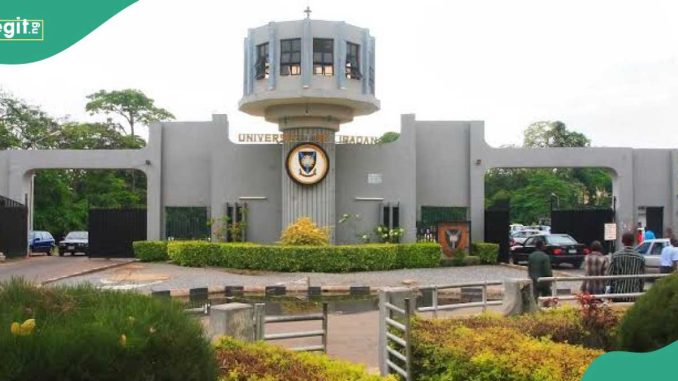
309,77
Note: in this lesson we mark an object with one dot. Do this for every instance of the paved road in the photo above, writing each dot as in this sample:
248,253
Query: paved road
162,276
39,269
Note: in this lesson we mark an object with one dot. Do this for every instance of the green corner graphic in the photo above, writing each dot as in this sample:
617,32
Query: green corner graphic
627,366
32,30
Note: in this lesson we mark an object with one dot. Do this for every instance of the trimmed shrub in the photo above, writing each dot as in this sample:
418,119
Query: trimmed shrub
458,257
651,323
304,232
348,258
471,261
453,352
487,252
81,333
418,255
264,362
151,251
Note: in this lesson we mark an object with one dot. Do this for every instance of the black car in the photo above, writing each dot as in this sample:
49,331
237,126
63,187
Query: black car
75,242
561,248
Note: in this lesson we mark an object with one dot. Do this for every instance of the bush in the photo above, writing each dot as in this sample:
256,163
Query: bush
304,232
151,251
458,257
418,255
471,261
453,352
347,258
487,252
264,362
81,333
651,323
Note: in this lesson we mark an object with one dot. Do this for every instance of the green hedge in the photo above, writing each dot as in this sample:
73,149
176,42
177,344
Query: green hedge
447,351
372,257
417,255
265,362
81,333
487,252
151,251
651,323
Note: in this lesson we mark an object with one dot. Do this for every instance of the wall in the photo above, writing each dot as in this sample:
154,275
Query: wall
396,162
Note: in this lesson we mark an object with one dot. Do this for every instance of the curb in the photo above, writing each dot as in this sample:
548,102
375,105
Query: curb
524,268
275,290
88,271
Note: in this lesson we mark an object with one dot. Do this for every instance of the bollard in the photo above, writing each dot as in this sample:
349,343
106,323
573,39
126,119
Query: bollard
518,297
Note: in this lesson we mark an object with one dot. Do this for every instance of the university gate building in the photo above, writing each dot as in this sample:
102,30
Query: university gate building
310,77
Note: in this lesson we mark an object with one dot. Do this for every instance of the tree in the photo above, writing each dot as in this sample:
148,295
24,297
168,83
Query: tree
24,126
388,137
131,104
553,135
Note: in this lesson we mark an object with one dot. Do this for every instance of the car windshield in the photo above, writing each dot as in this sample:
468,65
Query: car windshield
77,235
561,240
642,249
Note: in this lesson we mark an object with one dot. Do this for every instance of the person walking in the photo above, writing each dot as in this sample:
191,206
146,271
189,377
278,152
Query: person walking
669,257
595,264
539,265
626,261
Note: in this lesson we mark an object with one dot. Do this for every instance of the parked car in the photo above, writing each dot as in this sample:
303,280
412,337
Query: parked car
41,242
516,227
75,242
519,237
651,249
561,248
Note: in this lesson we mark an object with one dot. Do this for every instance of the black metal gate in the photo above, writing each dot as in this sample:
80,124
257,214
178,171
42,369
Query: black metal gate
13,228
497,230
654,216
584,225
112,231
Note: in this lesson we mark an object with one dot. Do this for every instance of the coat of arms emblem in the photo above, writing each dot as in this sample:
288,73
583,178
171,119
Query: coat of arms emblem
307,160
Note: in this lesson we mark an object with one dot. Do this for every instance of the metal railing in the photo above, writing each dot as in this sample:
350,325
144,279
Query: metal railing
554,289
260,321
484,303
392,326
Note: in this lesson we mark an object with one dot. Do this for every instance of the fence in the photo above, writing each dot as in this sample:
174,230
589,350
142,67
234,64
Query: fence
260,321
554,289
395,334
484,303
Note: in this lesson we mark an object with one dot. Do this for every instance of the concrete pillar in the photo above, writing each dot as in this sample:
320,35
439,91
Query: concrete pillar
232,319
518,297
314,201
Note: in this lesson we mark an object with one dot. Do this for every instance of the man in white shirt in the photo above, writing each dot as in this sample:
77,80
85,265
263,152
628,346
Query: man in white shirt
669,257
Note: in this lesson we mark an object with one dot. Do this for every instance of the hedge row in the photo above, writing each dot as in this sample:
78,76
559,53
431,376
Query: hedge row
487,252
151,251
264,362
82,333
443,351
371,257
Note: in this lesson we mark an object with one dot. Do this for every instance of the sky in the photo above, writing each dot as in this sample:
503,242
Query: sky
608,69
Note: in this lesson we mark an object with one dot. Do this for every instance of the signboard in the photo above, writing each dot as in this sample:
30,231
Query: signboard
453,236
307,164
611,232
374,178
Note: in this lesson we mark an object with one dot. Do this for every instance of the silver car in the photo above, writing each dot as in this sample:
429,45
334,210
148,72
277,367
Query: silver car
651,249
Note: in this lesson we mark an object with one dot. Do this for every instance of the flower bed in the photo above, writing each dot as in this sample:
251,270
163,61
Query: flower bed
264,362
444,351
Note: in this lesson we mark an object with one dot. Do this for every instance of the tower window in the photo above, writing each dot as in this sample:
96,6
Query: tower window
353,61
262,65
290,56
323,56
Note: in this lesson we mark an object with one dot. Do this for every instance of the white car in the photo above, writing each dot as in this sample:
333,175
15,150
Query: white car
651,249
519,237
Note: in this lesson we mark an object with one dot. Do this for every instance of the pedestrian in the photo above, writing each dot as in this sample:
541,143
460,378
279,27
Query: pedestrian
640,234
595,264
669,257
626,261
539,265
649,234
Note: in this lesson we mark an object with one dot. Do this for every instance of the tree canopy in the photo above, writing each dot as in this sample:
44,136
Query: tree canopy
131,104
